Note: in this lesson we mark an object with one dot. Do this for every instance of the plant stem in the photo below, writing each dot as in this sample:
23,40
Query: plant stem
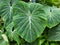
30,0
33,1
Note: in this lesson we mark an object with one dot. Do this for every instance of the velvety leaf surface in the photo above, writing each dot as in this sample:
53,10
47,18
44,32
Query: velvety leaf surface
54,34
12,34
29,20
6,14
5,11
53,16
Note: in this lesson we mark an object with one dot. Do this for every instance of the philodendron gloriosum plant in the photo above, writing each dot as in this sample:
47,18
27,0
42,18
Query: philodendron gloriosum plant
27,20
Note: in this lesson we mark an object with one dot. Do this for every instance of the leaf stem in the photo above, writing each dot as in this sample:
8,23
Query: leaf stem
33,1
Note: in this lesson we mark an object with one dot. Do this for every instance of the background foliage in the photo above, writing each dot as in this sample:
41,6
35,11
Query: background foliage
29,22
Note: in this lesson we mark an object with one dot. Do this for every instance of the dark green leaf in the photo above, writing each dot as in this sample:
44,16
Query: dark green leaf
53,16
29,20
54,34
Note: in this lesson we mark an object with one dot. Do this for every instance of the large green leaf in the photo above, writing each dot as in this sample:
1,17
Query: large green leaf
29,20
5,11
6,14
54,34
53,16
12,34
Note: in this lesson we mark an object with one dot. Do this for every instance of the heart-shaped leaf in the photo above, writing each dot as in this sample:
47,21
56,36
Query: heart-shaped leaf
12,34
6,14
53,16
29,20
5,11
54,33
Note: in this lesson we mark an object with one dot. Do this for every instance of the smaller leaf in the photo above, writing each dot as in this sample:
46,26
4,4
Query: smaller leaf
12,34
54,34
52,15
